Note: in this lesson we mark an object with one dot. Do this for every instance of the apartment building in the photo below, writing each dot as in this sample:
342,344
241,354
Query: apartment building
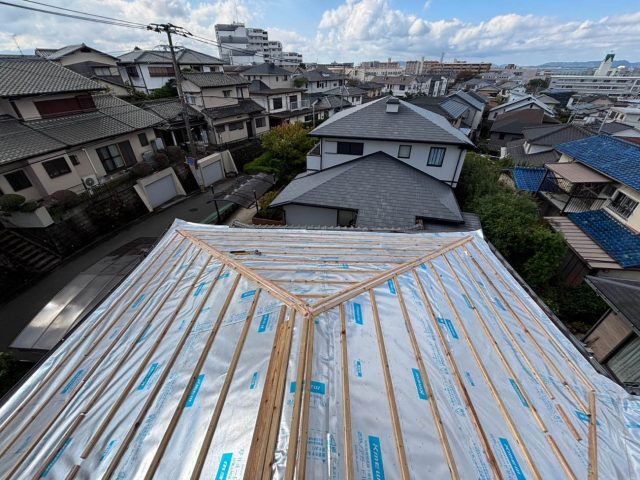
417,67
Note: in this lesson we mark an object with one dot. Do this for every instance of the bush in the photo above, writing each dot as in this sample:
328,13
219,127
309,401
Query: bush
175,154
262,164
263,207
29,207
10,202
579,307
161,160
142,169
65,199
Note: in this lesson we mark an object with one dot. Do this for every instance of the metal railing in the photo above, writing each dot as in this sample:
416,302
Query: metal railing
299,105
572,198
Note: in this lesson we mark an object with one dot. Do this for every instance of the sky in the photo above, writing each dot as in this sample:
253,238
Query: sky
525,32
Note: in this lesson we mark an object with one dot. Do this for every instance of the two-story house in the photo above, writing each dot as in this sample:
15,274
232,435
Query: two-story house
413,135
224,100
148,70
59,132
281,104
353,95
523,103
320,80
269,74
476,104
89,62
400,85
595,189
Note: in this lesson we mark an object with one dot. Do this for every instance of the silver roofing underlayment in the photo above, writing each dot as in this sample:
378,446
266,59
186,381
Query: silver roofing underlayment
237,353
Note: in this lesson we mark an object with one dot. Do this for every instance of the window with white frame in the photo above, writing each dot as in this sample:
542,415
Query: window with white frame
436,157
623,205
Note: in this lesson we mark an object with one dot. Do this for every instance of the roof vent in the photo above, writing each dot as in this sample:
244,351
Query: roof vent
392,105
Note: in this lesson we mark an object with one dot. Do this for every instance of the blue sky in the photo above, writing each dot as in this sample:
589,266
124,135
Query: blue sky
521,31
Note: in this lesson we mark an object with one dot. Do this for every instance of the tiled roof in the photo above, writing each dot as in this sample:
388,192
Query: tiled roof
515,150
61,52
532,179
168,109
615,238
321,75
411,123
345,90
615,158
471,100
244,107
516,121
266,69
445,106
611,128
522,102
622,295
385,191
215,79
184,56
258,87
26,76
552,135
395,80
112,117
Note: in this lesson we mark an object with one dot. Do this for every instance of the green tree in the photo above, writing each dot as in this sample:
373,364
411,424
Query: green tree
536,85
286,148
479,177
166,91
465,76
300,82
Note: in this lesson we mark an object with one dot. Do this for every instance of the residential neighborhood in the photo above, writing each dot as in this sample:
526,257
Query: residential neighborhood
240,241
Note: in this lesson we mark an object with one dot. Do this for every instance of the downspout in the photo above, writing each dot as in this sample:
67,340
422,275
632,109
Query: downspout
456,170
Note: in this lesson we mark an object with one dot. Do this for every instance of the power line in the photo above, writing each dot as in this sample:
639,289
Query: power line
84,13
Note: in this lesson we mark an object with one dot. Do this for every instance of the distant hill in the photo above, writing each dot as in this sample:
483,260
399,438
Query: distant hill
589,64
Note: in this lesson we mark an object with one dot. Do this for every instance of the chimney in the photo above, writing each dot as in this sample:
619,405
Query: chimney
392,105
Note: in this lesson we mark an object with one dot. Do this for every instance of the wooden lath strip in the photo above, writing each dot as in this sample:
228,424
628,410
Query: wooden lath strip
278,292
120,450
475,419
433,402
542,328
516,344
593,437
333,300
346,398
485,373
217,411
268,400
42,432
306,349
391,397
63,363
155,462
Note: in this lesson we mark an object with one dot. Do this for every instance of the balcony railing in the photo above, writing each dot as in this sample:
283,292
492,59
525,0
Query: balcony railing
570,197
299,105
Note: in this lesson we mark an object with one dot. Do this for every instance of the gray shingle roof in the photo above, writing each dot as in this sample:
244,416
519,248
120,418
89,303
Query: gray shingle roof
61,52
445,106
25,76
552,135
112,117
611,128
410,123
321,75
266,69
244,107
469,99
215,79
515,150
345,90
516,121
184,56
622,295
385,191
168,109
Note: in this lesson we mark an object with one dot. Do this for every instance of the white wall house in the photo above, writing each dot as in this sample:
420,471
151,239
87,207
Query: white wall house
525,103
269,74
322,80
415,136
148,70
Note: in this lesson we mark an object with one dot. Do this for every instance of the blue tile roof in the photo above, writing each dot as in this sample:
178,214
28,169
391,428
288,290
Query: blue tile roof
530,179
613,157
616,239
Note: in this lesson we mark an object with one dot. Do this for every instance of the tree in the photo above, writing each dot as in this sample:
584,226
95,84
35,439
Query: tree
465,76
166,91
479,177
286,148
353,82
300,82
535,85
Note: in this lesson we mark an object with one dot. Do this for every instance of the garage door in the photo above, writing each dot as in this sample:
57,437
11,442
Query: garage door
161,191
213,173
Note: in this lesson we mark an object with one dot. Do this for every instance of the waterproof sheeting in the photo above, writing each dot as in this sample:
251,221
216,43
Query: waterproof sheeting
244,353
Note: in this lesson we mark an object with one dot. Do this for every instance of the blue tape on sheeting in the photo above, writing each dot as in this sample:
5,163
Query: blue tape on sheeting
517,470
357,313
345,266
518,392
254,381
148,376
633,425
585,417
73,382
316,387
224,275
446,322
107,451
191,399
392,287
144,334
471,382
358,365
56,458
375,451
248,293
224,467
422,393
137,303
199,289
467,301
264,322
499,304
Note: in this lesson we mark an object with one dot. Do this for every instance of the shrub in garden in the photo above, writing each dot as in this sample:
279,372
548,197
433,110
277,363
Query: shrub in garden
10,202
65,198
142,169
175,154
161,160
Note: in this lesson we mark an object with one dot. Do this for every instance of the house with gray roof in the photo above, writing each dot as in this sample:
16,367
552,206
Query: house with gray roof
148,70
225,102
173,130
60,129
476,104
89,62
321,79
282,104
269,74
353,95
373,191
453,110
527,102
418,137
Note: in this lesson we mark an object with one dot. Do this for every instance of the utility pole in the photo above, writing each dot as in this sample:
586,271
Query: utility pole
169,29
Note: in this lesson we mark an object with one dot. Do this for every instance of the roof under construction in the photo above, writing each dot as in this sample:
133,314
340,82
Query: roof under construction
242,353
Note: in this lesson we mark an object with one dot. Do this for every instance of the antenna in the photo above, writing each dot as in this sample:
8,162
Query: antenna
15,39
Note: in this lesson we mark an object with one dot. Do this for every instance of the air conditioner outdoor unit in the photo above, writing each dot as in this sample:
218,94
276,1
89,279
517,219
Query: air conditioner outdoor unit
90,181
